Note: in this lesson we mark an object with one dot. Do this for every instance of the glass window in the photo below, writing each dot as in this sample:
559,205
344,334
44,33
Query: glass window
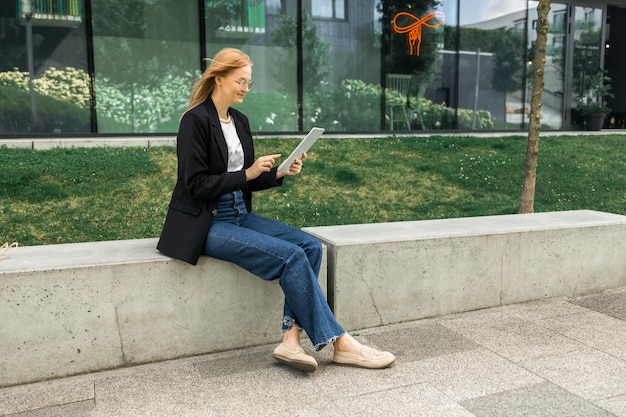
272,105
420,72
329,9
341,70
146,57
554,68
273,6
44,81
492,65
587,58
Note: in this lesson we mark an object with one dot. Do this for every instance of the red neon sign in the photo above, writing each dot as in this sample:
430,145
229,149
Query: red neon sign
414,28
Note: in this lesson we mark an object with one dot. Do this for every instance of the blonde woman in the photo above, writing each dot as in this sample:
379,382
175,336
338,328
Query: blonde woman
210,213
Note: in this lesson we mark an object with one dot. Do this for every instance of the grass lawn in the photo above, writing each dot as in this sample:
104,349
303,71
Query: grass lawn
77,195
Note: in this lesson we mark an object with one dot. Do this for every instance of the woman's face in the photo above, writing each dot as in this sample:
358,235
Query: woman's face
231,85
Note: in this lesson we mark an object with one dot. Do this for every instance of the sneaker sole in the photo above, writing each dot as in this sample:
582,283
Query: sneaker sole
303,366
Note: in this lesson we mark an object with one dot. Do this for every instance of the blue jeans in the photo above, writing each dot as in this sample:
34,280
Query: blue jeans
272,250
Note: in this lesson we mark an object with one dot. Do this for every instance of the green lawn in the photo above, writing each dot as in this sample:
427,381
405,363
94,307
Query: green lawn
77,195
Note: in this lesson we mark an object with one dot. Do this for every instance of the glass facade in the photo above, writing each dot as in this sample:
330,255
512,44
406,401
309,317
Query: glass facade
144,55
109,67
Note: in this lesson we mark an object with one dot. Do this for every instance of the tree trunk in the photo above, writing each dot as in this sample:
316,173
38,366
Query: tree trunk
526,204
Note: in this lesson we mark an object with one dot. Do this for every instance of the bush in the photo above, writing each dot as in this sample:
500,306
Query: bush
53,116
353,105
438,116
71,85
121,108
358,105
142,108
270,111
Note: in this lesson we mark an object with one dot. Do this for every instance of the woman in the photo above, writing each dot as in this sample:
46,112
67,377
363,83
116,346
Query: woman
210,214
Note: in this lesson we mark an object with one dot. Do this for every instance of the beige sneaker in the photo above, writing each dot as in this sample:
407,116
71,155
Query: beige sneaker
295,358
369,358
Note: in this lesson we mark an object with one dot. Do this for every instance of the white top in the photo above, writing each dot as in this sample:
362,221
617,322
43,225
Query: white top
235,150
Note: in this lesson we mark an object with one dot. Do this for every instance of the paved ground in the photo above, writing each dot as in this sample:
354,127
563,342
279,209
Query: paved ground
559,357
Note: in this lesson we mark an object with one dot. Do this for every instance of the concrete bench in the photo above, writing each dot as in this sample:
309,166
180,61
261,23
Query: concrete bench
393,272
74,308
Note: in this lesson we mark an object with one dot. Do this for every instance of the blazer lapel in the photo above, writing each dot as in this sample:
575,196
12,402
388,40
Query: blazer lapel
218,134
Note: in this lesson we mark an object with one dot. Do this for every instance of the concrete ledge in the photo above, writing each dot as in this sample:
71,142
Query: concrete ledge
76,308
104,141
393,272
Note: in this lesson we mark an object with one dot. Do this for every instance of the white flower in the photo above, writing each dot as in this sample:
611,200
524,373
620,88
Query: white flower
269,121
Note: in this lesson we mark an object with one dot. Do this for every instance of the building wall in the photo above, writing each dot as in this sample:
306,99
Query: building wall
127,68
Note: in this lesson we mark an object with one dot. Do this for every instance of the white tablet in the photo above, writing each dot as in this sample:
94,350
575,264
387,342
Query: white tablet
303,146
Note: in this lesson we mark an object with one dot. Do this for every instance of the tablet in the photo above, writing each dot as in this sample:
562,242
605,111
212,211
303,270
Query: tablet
303,146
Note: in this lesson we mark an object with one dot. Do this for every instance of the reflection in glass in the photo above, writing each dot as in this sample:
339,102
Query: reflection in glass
415,52
272,106
492,64
554,67
330,9
587,57
44,82
341,65
341,69
144,68
339,72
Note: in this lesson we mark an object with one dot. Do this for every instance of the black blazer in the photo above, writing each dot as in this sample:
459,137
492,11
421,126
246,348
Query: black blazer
203,178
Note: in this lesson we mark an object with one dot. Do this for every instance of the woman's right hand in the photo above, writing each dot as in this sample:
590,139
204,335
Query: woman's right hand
261,165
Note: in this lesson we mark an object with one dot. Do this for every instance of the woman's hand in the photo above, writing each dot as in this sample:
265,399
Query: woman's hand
295,168
261,165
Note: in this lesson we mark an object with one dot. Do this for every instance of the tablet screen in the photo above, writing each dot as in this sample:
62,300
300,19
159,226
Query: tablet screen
303,146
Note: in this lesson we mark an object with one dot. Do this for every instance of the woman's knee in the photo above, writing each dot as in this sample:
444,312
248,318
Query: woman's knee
313,248
311,243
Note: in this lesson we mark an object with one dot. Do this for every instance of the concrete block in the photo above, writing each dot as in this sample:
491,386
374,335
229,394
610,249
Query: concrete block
44,144
16,143
76,142
76,308
162,141
393,272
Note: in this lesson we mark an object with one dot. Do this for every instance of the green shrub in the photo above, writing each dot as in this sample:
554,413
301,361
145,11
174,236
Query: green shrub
438,116
270,111
53,116
358,105
483,119
71,85
141,108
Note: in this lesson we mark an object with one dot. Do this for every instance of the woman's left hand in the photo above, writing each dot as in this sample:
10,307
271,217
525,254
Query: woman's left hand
295,168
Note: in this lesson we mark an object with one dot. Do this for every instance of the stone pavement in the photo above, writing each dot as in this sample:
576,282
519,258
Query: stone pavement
557,357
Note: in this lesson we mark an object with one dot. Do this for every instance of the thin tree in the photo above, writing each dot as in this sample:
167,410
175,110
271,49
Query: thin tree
527,200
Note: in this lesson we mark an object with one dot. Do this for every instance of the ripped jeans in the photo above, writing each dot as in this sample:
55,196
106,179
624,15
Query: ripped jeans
272,250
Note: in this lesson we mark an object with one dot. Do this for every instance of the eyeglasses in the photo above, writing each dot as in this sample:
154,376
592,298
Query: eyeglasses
243,83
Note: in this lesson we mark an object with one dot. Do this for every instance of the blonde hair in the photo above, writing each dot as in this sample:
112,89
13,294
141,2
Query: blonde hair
225,61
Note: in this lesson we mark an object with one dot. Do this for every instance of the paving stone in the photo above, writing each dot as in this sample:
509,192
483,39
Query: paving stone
544,399
235,364
420,340
588,373
45,394
472,374
546,358
593,329
510,336
421,400
616,405
611,303
77,409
